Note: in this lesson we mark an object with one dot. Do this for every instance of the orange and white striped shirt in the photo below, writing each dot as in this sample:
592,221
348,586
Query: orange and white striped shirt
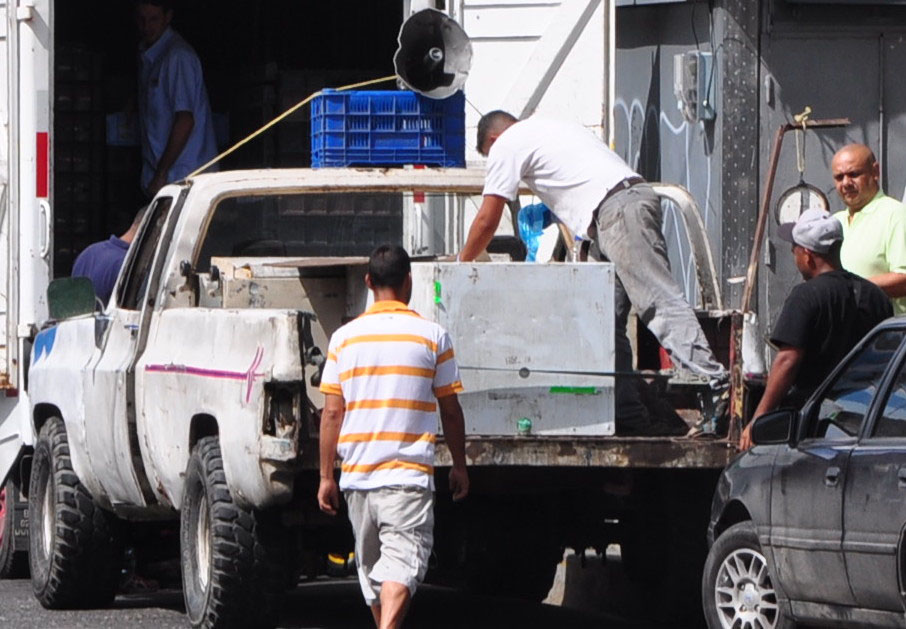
389,364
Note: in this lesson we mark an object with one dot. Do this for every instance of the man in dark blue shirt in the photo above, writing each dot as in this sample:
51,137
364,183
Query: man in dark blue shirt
100,262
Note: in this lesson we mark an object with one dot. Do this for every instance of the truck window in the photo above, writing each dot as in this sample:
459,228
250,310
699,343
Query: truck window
138,265
301,225
842,408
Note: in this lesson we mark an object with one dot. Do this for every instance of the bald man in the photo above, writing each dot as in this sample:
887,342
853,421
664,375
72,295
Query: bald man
874,224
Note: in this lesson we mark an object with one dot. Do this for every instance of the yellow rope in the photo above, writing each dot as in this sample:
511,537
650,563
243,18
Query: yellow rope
286,113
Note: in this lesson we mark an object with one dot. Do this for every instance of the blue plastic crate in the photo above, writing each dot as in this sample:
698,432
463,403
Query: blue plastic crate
358,128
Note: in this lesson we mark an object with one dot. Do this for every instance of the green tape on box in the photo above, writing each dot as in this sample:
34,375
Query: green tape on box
436,292
574,390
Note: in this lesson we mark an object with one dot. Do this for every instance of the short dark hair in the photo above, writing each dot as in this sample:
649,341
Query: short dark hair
166,5
389,266
489,122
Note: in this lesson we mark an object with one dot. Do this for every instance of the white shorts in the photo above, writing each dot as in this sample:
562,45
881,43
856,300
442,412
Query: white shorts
394,533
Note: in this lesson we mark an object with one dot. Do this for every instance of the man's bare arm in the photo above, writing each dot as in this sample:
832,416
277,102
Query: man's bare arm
454,424
331,421
893,284
483,227
780,379
183,123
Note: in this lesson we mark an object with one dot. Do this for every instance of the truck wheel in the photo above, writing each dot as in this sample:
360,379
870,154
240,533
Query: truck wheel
737,590
13,561
75,547
236,562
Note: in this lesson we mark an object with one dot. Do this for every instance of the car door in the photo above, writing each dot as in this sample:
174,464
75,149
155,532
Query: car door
808,484
874,503
109,409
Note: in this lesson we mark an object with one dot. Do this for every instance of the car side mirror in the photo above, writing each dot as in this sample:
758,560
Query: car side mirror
69,297
775,428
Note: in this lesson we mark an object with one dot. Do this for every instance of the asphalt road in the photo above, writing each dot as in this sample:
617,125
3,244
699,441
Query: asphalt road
319,604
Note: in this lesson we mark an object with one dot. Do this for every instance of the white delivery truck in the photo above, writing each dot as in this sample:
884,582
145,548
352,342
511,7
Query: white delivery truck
191,395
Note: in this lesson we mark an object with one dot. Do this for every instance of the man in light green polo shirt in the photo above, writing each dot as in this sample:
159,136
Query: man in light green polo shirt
874,224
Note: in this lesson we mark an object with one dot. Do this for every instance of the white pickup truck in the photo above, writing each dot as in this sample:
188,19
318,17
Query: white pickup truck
193,395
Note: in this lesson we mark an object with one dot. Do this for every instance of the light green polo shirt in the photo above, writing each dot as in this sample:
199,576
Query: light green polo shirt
875,241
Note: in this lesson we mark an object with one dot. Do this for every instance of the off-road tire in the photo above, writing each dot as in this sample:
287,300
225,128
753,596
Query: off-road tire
739,544
236,562
75,547
13,560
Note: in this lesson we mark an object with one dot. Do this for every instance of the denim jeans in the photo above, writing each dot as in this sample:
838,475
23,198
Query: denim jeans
627,231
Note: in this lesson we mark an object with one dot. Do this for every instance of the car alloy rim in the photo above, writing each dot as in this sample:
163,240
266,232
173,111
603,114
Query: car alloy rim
203,542
47,518
743,593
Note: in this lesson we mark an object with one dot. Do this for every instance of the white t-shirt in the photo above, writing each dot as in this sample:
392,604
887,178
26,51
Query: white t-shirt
564,163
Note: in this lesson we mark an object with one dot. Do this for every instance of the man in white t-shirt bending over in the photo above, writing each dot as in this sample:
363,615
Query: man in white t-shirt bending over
387,374
594,193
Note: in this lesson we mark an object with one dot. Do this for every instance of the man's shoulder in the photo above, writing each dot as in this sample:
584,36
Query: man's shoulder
888,206
181,51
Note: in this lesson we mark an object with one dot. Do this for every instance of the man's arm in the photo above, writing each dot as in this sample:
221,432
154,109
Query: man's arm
483,227
331,421
780,379
455,436
183,123
893,284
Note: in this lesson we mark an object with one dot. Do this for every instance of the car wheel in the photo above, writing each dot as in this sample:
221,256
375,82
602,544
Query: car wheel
13,561
75,547
737,590
236,563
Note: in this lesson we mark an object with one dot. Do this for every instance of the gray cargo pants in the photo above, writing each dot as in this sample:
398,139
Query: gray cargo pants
627,230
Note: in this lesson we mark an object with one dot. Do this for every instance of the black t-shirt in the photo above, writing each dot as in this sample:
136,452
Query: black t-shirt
826,316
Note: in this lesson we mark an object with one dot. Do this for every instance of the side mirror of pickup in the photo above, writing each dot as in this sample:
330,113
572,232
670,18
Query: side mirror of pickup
69,297
776,427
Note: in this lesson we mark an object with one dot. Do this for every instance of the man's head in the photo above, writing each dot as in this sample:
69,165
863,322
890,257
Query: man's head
856,174
490,127
816,237
153,17
389,273
129,236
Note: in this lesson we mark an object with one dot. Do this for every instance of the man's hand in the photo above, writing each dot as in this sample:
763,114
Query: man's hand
459,482
158,182
745,439
329,496
483,227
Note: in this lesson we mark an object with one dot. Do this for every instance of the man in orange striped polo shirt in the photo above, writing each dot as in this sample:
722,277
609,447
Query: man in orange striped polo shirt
387,374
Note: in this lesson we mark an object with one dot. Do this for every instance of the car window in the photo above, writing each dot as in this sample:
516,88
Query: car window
839,412
892,420
135,282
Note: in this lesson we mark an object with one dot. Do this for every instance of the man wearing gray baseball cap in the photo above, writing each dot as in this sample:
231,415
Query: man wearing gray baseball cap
822,318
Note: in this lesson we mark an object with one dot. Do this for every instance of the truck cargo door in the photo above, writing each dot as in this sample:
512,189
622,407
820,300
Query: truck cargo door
25,205
531,56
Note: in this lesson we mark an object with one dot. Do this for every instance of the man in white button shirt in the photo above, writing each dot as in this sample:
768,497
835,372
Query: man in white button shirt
594,193
177,131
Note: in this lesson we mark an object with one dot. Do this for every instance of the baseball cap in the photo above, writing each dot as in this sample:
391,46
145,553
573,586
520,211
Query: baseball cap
815,230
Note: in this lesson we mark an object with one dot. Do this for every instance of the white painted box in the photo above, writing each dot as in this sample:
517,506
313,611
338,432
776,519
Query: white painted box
532,342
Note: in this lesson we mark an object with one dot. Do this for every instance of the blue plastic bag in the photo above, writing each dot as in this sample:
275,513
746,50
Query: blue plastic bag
532,220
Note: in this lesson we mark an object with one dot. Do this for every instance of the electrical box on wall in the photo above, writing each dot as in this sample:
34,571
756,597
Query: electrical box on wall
693,81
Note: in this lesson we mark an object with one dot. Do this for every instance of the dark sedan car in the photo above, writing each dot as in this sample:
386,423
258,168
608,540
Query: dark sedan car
808,525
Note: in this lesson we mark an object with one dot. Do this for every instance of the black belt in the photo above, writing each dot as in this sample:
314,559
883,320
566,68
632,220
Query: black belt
623,185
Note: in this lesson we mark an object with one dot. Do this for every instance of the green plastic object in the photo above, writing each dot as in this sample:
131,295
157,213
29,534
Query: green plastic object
437,292
574,390
69,297
524,426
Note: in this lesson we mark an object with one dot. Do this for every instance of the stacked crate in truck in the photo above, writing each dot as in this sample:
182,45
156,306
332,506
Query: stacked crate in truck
79,136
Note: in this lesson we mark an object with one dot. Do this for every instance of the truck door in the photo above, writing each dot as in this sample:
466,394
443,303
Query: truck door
25,205
109,396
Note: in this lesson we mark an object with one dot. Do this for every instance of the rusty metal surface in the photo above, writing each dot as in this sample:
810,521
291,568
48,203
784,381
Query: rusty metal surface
627,452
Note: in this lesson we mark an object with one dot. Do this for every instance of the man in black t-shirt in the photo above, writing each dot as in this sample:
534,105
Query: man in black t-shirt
822,319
